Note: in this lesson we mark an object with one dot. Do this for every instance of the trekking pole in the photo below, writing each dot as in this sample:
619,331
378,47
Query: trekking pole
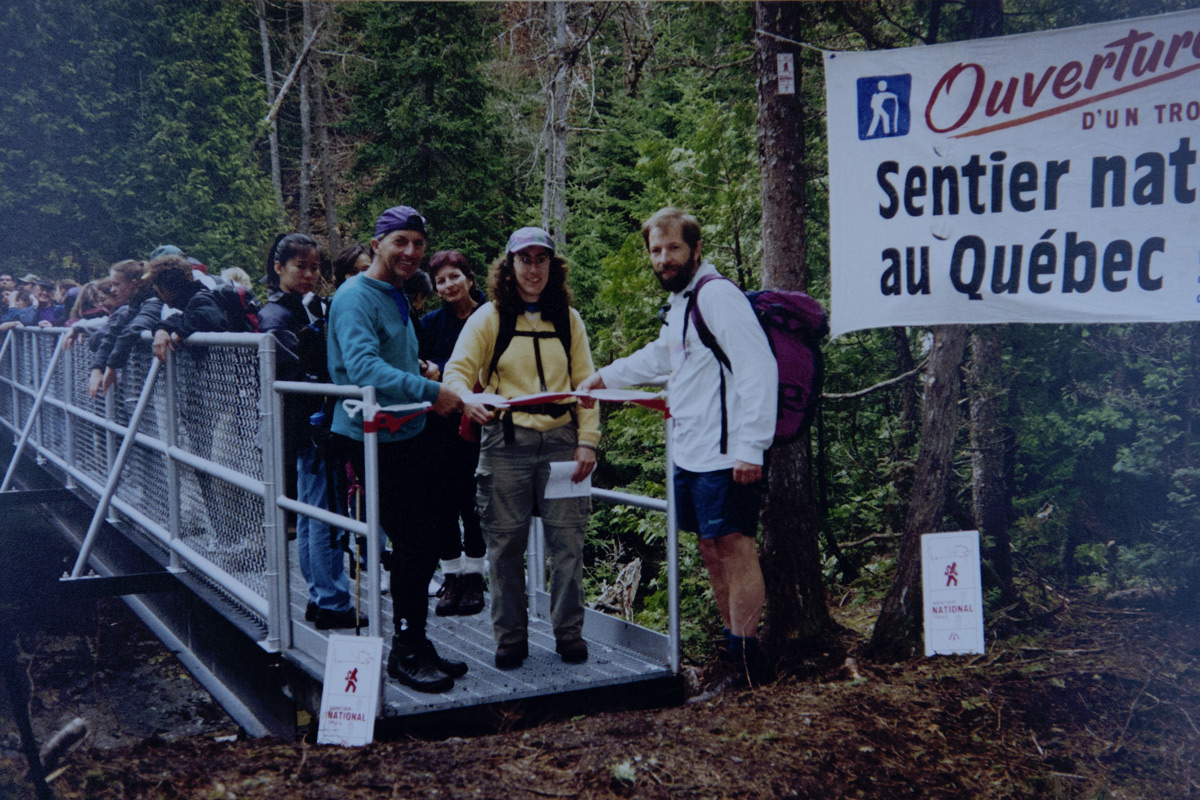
357,588
354,497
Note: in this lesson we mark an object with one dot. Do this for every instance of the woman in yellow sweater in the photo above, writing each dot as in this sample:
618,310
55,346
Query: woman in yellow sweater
527,340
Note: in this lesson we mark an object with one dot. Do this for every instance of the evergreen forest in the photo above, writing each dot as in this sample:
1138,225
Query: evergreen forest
215,124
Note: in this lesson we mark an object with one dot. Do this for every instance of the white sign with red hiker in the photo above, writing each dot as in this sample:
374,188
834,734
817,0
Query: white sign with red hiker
953,593
1044,177
350,696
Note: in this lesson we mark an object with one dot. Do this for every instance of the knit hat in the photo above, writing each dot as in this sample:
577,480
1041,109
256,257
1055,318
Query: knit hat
529,237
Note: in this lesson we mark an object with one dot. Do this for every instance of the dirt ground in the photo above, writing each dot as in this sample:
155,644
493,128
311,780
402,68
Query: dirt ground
1093,702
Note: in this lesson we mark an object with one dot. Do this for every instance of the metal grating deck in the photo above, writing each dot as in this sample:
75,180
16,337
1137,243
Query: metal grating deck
620,653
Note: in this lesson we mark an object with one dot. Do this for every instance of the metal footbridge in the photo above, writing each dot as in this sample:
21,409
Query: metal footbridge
170,488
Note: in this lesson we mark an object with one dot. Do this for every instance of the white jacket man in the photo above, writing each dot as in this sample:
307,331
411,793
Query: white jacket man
717,494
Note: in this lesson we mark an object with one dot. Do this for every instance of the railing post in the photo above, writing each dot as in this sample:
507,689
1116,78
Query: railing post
371,490
170,426
34,416
68,417
110,438
673,637
270,404
535,559
114,475
10,341
35,377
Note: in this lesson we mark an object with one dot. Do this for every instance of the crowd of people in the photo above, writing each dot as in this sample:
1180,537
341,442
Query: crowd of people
460,484
41,302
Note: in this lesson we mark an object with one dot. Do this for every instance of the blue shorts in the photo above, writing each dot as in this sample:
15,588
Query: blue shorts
714,505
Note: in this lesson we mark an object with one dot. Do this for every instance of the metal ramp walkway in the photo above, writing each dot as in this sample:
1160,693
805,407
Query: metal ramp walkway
168,489
619,654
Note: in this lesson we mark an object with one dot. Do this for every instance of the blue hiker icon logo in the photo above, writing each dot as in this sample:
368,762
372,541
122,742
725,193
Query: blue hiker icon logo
883,106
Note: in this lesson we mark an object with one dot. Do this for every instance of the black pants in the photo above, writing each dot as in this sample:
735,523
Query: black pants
453,490
405,482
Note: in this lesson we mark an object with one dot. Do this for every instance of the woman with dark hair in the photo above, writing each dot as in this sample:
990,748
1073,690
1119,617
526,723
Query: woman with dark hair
353,259
527,340
296,318
190,305
455,457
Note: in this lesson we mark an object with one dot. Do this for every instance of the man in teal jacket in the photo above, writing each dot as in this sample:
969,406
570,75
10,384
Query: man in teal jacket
372,342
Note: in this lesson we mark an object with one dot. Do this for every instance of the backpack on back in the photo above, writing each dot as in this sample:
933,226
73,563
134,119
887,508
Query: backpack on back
504,337
240,306
508,329
794,324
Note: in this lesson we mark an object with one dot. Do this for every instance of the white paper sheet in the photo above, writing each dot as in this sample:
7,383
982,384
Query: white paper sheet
561,485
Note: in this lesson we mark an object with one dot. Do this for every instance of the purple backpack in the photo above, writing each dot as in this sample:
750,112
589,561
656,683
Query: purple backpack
794,324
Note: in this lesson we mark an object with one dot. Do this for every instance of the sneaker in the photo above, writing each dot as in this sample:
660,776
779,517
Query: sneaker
450,596
511,656
471,597
572,651
415,667
328,620
455,669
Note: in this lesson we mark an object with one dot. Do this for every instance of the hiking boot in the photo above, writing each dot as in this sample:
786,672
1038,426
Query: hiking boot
455,669
450,596
511,656
416,667
750,668
471,598
328,620
573,651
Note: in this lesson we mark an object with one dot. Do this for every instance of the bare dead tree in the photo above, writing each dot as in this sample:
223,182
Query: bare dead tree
554,187
567,41
269,78
638,38
303,203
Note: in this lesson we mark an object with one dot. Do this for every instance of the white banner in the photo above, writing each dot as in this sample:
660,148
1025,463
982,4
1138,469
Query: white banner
1047,177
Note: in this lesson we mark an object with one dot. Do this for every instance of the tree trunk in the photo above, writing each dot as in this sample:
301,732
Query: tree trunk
637,43
328,194
898,628
269,77
554,190
989,440
908,389
796,611
303,203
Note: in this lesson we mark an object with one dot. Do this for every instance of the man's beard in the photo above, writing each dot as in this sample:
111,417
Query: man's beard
682,277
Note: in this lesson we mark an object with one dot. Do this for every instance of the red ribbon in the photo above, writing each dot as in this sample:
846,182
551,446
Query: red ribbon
391,423
383,420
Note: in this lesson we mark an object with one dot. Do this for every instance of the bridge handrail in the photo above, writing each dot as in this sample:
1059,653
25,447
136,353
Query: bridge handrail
61,398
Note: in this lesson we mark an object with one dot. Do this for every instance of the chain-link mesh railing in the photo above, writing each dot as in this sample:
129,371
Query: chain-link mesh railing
210,411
